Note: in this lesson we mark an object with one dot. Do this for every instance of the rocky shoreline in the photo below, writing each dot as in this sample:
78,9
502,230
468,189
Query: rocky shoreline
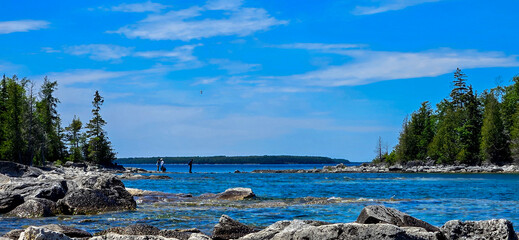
374,222
78,189
408,168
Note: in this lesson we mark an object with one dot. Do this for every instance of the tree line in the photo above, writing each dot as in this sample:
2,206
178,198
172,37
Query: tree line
235,160
465,128
31,131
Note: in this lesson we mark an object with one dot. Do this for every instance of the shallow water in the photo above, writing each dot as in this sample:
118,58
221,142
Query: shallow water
435,198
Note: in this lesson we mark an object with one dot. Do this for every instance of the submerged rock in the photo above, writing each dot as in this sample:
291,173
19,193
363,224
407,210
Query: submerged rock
236,194
228,228
489,229
379,214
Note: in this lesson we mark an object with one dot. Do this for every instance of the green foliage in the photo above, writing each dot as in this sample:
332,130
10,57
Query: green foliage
99,147
494,141
31,132
464,129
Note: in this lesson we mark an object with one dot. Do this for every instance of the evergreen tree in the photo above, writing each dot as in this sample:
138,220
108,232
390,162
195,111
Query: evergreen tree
443,147
510,114
52,145
13,147
459,90
469,130
3,117
494,141
73,134
99,147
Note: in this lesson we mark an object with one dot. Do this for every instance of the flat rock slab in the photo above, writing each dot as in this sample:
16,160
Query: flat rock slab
489,229
236,194
379,214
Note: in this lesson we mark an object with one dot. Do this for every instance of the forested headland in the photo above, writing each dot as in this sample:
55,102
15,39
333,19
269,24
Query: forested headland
464,128
31,131
235,160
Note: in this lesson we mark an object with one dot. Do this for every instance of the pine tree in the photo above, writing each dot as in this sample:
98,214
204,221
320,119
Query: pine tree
3,117
443,147
494,141
14,146
52,145
73,134
460,89
510,115
99,147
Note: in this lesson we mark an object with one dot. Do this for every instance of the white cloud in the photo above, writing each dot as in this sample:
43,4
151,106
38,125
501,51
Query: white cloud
374,66
223,4
235,67
320,46
181,53
388,5
139,7
22,26
49,50
205,81
104,52
181,25
101,52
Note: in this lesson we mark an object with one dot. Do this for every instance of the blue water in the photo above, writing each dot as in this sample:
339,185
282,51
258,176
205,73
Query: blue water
227,168
435,198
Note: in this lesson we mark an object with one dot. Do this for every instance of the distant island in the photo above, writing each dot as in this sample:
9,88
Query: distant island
235,160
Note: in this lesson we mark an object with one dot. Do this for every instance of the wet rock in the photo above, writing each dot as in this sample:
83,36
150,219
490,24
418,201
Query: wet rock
379,214
68,231
282,226
9,201
182,234
140,229
39,233
12,169
227,228
34,208
301,230
236,194
489,229
115,236
93,201
130,176
14,234
199,236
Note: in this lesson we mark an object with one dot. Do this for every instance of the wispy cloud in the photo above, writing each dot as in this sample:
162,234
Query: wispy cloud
223,4
22,26
388,5
182,25
100,52
374,66
106,52
320,46
235,67
138,7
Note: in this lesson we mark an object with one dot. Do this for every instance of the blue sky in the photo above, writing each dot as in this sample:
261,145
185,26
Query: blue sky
322,78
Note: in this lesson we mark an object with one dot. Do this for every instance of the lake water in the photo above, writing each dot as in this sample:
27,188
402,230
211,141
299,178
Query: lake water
339,197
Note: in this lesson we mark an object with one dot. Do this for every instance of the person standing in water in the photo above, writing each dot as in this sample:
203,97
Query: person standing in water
190,165
158,164
162,168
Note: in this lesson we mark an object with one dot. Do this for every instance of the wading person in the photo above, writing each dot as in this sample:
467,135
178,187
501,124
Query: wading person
190,165
162,168
158,164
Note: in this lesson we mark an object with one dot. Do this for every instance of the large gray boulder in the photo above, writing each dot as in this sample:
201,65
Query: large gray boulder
227,228
68,231
13,169
39,233
93,201
182,234
236,194
36,188
379,214
13,234
115,236
489,229
9,201
300,230
34,208
282,226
